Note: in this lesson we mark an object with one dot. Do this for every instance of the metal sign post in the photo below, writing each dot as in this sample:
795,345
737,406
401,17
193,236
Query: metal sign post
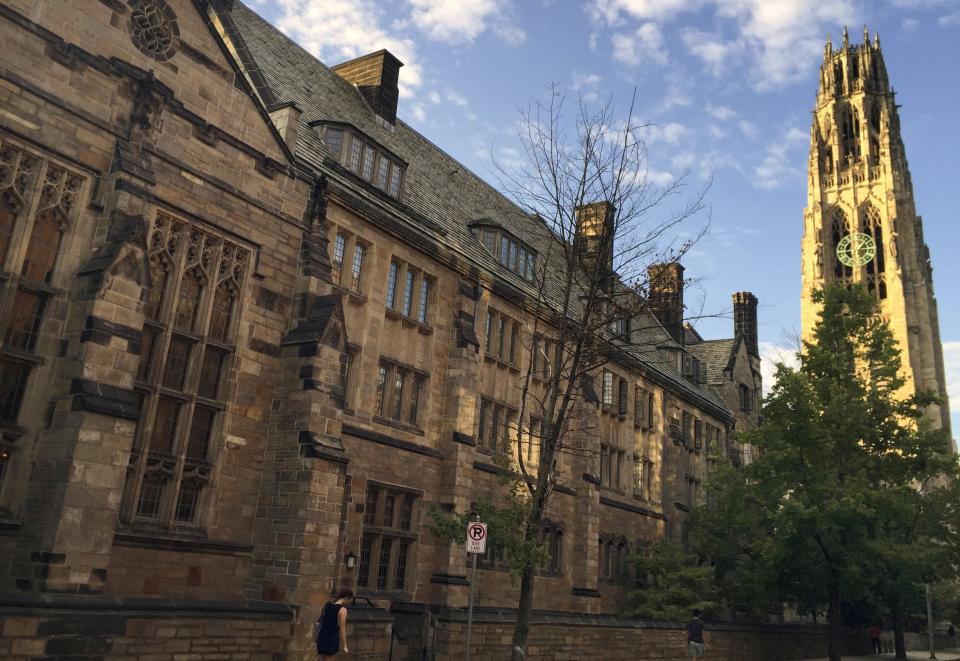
476,545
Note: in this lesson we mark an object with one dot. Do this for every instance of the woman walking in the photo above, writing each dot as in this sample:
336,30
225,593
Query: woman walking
332,626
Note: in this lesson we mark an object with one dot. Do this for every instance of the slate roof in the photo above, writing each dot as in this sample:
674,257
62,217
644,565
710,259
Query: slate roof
436,187
719,355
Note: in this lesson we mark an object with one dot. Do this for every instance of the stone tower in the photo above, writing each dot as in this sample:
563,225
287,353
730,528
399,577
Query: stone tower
861,224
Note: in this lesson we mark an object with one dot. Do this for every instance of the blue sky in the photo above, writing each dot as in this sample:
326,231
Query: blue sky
729,85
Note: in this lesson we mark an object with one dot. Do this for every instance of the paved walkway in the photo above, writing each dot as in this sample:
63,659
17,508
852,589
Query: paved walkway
911,656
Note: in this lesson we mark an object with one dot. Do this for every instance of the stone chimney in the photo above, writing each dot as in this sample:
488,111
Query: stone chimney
286,117
666,297
593,239
377,76
745,320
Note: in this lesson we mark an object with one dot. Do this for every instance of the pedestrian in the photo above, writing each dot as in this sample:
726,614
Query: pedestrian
875,638
695,644
953,636
331,626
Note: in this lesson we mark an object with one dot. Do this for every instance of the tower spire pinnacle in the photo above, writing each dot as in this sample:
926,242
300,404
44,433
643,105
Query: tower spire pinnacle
866,35
846,37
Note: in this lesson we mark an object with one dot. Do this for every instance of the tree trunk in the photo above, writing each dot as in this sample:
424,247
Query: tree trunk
524,606
833,617
898,626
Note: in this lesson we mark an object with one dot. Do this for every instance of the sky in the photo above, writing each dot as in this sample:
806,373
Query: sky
728,86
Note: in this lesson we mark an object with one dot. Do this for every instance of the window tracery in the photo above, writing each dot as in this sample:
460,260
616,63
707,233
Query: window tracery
190,326
875,269
840,228
153,28
38,202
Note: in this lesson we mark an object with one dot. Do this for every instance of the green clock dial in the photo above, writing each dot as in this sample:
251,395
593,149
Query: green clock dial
856,249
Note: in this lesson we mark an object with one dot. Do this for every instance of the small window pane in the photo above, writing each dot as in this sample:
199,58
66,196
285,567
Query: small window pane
381,388
512,262
501,336
7,220
339,246
146,352
395,180
201,429
401,571
366,549
504,250
13,381
488,341
370,506
178,358
407,293
414,401
424,300
383,566
210,371
151,494
392,285
42,250
368,156
383,173
399,380
490,241
356,269
221,317
406,514
356,152
189,301
389,509
334,142
165,425
187,500
25,318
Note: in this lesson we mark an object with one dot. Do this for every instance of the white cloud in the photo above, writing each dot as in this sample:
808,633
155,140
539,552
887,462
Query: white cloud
778,165
748,128
418,112
721,113
910,24
716,53
781,38
434,97
643,46
670,133
339,30
718,132
456,98
455,21
770,355
676,95
949,20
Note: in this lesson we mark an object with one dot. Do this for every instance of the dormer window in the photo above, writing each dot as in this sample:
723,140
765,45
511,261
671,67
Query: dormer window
507,249
364,157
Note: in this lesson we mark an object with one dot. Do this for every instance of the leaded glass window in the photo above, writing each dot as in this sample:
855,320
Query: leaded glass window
188,342
387,540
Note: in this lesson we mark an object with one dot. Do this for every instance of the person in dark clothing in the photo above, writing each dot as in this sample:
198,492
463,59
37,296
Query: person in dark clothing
695,643
953,636
332,626
875,638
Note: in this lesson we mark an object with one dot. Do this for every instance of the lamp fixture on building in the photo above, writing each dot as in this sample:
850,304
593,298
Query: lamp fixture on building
351,560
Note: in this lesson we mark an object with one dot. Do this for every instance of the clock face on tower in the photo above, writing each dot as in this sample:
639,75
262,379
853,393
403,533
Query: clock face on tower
856,249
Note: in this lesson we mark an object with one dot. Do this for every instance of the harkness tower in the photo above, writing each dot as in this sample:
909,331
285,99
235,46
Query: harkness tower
861,223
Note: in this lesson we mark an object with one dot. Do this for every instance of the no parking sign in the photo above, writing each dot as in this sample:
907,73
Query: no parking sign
476,537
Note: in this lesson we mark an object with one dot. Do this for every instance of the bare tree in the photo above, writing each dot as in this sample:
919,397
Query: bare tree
586,178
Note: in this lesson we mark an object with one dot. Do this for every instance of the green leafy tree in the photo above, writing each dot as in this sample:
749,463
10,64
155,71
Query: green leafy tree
846,461
673,584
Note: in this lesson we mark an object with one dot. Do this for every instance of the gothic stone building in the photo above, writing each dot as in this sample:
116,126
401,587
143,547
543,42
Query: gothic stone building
861,223
253,327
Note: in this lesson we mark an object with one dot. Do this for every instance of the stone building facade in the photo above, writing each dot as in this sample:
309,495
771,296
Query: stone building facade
861,224
253,327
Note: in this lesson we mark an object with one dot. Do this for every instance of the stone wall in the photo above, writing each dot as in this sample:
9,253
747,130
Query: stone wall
99,629
564,637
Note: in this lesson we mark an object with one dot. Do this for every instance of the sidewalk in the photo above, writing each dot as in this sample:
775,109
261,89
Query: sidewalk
911,656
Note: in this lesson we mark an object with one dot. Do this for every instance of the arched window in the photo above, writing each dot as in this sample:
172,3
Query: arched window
871,225
188,302
840,228
849,134
221,317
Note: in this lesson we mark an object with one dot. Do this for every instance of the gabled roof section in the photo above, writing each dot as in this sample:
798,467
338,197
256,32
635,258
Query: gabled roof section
719,355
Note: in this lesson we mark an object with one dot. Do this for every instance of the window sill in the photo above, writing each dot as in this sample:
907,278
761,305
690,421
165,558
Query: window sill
613,490
501,362
392,595
355,297
193,542
408,321
396,424
21,356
